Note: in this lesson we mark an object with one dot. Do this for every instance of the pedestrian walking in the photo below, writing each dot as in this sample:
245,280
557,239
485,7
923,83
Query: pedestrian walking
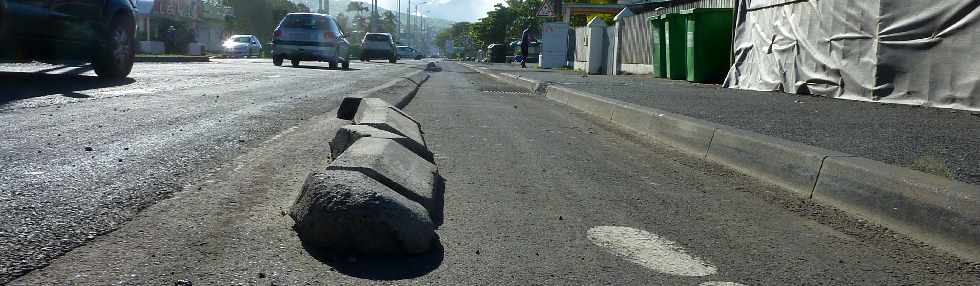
171,39
526,39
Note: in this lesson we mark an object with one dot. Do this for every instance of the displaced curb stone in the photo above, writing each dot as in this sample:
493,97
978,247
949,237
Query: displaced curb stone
348,212
378,114
347,135
394,166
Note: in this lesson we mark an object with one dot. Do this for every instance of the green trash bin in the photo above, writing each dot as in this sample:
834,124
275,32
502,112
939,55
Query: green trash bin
709,44
675,41
658,50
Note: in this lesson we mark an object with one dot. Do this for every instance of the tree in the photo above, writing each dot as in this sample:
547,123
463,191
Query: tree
458,34
358,7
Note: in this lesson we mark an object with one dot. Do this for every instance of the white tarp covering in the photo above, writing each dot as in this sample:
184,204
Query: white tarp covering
918,52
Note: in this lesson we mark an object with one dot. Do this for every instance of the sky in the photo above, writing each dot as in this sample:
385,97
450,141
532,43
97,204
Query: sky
453,10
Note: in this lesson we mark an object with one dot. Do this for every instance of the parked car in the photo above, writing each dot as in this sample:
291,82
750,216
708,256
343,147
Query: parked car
310,37
378,46
99,32
242,46
406,52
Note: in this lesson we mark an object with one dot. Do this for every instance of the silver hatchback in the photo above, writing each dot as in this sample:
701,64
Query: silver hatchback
310,37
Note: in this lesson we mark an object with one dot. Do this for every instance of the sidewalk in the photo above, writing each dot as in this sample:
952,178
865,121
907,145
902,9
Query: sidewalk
935,141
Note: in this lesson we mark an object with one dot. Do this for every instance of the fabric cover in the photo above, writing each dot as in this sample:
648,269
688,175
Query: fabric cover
913,52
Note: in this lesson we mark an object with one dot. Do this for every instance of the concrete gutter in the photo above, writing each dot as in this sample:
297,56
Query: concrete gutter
171,59
938,211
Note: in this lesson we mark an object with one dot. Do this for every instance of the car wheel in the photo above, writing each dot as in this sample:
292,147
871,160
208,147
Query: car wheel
295,63
345,65
392,59
277,60
114,59
333,65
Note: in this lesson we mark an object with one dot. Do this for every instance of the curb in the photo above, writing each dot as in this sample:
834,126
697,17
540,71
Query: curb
172,59
530,84
940,212
379,195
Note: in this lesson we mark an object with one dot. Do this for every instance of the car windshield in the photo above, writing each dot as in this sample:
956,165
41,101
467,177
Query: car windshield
243,39
311,22
377,37
404,49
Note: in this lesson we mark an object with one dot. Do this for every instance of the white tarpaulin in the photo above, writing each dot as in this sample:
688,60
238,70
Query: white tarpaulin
914,52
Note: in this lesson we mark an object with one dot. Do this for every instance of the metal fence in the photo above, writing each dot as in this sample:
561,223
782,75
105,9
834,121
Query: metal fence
635,40
635,34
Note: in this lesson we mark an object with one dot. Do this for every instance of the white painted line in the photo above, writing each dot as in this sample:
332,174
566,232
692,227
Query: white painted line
649,250
717,283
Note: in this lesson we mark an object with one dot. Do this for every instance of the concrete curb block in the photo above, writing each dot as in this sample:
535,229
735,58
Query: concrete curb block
941,212
935,210
349,212
791,165
347,135
379,114
380,196
396,167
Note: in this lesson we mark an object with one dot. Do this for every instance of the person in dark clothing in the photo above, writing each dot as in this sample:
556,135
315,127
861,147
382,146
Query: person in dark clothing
170,39
526,39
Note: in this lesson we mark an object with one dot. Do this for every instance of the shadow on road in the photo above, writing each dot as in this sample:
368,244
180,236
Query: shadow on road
325,68
382,267
24,85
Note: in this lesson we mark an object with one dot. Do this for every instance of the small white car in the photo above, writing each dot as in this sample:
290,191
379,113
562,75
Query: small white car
242,46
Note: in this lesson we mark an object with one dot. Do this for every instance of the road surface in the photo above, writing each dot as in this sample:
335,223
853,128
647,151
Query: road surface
536,194
81,156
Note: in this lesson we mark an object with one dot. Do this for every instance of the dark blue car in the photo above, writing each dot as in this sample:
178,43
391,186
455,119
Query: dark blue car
98,31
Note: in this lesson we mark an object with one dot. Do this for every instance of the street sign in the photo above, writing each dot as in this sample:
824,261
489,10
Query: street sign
547,9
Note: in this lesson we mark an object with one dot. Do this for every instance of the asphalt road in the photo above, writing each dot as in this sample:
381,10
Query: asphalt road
80,157
536,194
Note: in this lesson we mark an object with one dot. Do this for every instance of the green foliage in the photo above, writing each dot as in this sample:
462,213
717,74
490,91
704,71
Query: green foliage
259,17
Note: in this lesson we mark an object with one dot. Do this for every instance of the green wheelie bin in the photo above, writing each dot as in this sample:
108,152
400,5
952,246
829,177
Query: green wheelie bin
709,44
675,41
658,48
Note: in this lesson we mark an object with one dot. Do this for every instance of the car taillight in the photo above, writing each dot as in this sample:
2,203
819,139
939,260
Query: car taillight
277,34
329,35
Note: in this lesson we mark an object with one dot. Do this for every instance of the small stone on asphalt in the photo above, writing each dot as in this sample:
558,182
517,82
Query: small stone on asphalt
89,149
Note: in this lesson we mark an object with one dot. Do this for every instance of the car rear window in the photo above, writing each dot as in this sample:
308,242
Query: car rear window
377,37
311,22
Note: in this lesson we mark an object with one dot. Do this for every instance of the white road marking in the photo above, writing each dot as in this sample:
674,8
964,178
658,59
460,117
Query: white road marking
649,250
717,283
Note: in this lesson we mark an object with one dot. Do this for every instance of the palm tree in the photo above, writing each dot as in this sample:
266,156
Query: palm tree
359,7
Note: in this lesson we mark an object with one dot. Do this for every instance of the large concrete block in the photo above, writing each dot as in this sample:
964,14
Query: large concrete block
379,114
939,211
788,164
349,134
348,212
396,167
689,134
